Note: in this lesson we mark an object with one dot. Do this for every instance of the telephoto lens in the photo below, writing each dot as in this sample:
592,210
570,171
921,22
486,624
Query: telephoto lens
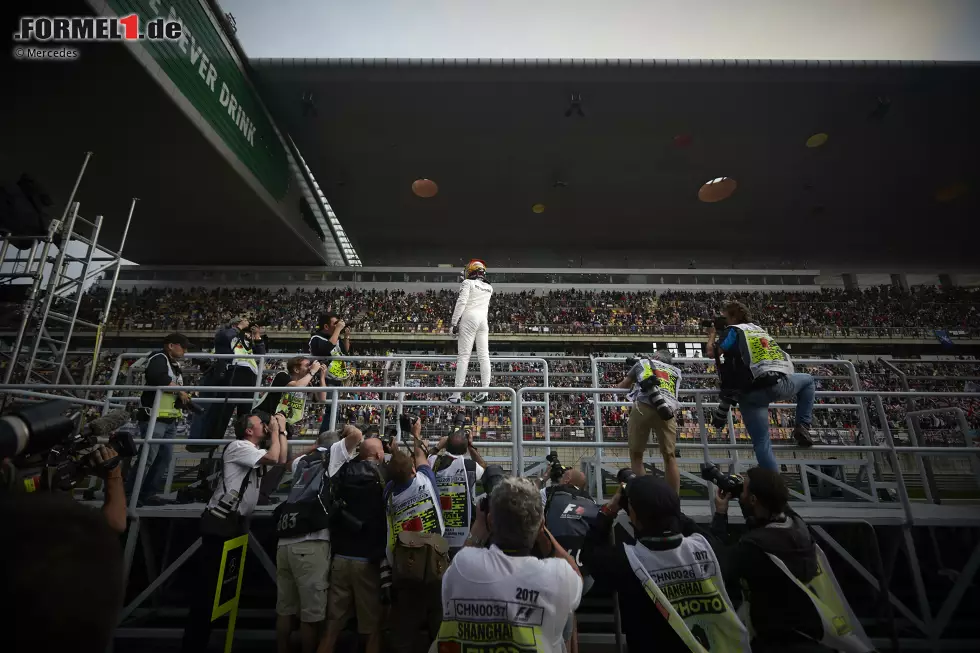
385,582
623,477
719,416
660,404
730,484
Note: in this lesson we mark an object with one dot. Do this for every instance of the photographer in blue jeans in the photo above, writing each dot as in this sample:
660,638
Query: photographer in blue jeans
754,372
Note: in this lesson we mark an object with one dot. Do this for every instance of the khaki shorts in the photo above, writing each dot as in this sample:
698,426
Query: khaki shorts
642,421
302,570
355,585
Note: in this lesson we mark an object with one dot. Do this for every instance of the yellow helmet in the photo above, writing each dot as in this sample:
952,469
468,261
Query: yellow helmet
476,268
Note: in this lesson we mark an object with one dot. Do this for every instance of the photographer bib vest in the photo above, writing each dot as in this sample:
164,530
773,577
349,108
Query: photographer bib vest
308,505
243,347
841,629
414,509
292,405
336,370
455,498
168,400
669,377
762,353
686,587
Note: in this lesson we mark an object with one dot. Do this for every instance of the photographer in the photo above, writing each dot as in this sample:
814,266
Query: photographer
456,478
655,383
247,341
358,534
225,517
670,584
539,593
331,338
162,369
300,374
754,372
303,525
215,375
774,561
569,513
415,525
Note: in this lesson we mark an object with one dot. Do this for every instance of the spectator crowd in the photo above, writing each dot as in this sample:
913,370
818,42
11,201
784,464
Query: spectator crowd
874,311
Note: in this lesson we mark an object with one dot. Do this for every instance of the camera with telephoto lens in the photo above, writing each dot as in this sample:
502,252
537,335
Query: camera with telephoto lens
651,386
623,477
556,470
48,450
730,484
719,322
492,476
719,415
385,581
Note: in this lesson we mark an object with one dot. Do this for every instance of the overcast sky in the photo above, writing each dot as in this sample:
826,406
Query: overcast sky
647,29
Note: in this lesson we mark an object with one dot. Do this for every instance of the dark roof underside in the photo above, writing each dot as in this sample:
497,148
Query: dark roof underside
495,138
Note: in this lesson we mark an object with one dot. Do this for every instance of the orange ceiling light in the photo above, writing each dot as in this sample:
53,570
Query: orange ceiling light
717,189
425,188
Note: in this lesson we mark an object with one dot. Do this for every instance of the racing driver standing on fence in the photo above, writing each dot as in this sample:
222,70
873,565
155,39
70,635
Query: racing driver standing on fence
469,322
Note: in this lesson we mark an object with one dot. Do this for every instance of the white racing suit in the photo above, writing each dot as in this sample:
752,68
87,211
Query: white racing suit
470,316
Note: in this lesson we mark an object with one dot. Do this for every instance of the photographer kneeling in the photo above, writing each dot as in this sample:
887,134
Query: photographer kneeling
754,371
671,592
226,516
793,600
503,597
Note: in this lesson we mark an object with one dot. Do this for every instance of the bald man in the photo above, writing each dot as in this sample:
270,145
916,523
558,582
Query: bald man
569,513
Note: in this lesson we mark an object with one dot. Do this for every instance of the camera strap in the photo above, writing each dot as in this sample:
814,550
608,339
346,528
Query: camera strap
245,481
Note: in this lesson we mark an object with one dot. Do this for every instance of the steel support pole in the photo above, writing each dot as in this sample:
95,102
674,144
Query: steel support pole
598,431
79,293
915,433
547,410
104,318
67,229
112,381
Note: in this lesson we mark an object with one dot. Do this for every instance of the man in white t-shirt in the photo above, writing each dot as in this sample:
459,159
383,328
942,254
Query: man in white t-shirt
235,497
537,594
303,561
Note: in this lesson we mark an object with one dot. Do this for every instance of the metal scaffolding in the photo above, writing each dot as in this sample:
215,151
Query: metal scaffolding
56,294
875,499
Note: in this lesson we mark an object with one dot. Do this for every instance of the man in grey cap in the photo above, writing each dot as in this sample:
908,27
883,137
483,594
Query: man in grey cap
161,369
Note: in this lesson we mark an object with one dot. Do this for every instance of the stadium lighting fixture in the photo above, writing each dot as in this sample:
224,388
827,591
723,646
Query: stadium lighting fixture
717,189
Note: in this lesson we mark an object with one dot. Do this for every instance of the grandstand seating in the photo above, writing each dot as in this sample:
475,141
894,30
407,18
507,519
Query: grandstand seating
876,311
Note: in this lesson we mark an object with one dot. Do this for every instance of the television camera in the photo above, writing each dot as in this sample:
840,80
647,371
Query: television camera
48,450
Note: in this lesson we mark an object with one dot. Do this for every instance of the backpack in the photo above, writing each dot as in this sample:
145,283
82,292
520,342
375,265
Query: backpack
307,508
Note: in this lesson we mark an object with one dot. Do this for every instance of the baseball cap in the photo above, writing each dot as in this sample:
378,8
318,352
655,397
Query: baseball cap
656,504
178,339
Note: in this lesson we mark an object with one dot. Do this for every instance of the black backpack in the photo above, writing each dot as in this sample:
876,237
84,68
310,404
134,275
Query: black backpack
307,508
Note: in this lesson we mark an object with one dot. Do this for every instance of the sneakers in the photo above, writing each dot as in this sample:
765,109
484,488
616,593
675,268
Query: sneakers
456,398
480,398
802,435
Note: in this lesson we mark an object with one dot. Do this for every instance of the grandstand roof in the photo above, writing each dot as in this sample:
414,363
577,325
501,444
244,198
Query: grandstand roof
194,207
494,136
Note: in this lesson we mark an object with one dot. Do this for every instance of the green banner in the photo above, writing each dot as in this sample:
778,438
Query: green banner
203,69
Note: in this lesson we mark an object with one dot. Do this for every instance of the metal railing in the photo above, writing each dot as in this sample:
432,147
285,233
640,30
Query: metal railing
877,446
